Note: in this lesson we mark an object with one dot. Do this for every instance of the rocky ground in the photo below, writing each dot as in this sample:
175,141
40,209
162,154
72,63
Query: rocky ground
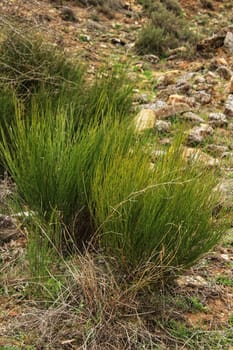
193,94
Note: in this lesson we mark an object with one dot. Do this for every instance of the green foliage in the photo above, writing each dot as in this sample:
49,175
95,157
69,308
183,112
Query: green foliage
160,216
81,172
7,112
225,281
28,64
171,5
40,74
59,162
197,304
165,30
98,180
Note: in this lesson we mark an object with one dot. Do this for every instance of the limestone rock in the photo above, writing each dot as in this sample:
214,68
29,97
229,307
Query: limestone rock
176,99
163,126
171,111
93,25
155,106
228,42
196,155
218,150
144,120
203,97
199,133
192,281
192,117
151,58
225,189
229,106
224,72
141,98
217,119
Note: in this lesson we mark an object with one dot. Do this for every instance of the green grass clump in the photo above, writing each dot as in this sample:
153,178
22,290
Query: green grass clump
160,215
95,183
49,165
166,29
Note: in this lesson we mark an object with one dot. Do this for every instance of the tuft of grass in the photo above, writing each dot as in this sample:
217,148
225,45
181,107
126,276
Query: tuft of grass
225,281
160,216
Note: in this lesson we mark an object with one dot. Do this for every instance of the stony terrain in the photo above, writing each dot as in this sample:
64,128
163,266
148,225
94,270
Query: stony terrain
193,94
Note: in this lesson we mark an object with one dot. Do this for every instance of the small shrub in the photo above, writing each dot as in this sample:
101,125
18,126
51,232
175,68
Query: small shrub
173,5
165,30
151,39
111,4
28,65
152,5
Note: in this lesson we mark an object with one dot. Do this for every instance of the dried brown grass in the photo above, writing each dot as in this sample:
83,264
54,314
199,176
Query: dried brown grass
95,311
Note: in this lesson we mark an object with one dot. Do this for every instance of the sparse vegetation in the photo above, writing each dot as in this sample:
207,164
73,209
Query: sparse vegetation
165,30
106,221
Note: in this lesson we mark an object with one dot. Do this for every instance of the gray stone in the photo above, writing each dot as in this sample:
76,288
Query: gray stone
196,155
218,150
93,25
228,42
172,110
163,126
224,72
229,106
141,98
199,133
217,119
199,79
225,188
192,117
183,88
192,281
151,58
155,106
203,97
